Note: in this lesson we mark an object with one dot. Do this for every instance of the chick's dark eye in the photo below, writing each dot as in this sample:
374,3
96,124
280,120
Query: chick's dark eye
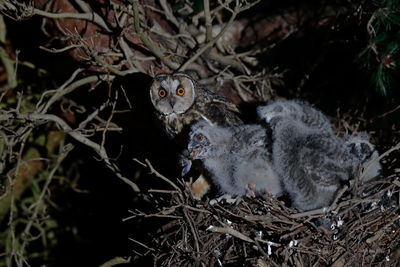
162,93
180,91
365,148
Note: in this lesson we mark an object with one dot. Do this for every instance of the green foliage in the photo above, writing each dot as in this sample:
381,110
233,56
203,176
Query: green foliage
30,238
381,56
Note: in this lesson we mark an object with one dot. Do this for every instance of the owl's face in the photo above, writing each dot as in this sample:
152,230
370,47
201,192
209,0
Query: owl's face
360,147
172,93
199,146
208,141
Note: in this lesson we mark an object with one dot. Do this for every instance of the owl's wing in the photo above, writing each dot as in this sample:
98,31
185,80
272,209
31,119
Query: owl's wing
211,97
218,109
229,105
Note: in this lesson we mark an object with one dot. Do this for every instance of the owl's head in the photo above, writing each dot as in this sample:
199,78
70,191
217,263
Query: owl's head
172,93
208,141
365,153
360,146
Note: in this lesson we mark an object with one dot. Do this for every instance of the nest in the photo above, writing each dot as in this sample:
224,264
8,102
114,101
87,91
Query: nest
360,227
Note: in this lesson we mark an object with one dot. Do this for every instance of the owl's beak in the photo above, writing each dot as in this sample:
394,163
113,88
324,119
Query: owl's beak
172,102
193,154
196,152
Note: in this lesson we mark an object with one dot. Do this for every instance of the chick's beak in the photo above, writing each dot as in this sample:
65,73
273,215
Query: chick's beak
195,152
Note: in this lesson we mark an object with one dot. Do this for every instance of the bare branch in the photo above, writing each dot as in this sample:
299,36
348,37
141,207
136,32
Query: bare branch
207,15
92,17
76,135
146,40
63,91
212,42
230,231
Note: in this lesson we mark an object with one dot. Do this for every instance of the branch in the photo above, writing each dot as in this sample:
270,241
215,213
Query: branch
208,23
156,173
74,134
212,42
195,18
66,90
55,50
92,17
65,150
116,261
372,163
230,231
145,39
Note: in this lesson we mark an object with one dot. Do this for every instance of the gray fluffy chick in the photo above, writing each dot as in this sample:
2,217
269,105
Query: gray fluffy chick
236,158
298,111
312,166
310,159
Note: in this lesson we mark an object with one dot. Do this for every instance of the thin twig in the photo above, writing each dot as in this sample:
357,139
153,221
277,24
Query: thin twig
54,50
208,22
116,261
145,39
230,231
384,114
156,173
382,230
77,136
65,150
212,42
92,17
195,18
63,91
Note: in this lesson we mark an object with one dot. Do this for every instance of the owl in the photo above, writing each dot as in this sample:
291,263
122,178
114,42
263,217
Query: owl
311,164
309,158
179,103
366,154
236,158
297,110
312,118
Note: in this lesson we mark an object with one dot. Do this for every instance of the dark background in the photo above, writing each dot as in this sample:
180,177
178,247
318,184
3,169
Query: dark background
90,206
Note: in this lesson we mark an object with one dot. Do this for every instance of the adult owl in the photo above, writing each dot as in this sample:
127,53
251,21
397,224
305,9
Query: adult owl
179,103
236,158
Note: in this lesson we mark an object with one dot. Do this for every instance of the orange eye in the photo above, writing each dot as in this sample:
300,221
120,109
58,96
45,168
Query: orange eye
180,91
162,93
